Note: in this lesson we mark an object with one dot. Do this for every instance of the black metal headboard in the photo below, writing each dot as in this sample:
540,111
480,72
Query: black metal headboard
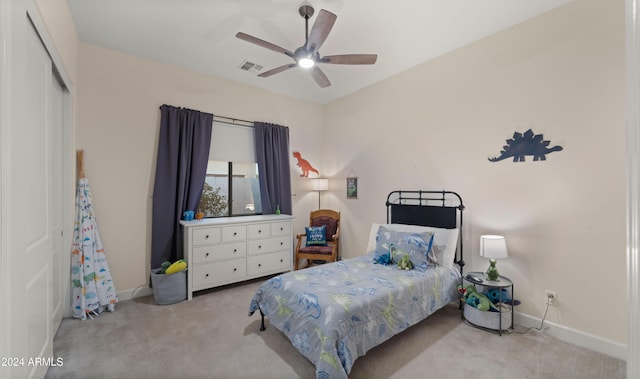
438,209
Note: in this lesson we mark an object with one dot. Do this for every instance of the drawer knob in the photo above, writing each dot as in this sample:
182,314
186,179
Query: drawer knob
235,251
281,228
235,269
206,255
206,237
259,231
259,264
259,246
206,275
281,260
281,243
235,234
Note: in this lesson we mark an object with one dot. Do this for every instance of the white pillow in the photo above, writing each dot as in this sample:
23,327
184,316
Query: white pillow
445,241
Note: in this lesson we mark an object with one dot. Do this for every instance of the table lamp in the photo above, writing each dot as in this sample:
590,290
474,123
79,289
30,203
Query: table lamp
493,247
319,184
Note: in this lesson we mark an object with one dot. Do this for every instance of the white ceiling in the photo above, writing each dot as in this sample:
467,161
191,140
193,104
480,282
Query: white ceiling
200,35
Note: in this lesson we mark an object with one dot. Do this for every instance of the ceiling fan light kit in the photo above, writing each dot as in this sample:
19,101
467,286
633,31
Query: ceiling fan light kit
306,62
307,55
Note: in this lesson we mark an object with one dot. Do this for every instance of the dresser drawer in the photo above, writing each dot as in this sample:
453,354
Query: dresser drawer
280,261
268,245
205,235
209,253
258,231
223,271
280,228
234,233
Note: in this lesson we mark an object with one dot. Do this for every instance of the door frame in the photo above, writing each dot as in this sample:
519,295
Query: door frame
633,185
5,116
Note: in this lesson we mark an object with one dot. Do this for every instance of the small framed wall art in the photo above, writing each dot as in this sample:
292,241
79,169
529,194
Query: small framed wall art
352,187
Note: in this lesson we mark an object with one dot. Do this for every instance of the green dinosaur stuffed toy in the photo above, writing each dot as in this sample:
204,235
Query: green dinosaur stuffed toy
478,300
405,263
164,266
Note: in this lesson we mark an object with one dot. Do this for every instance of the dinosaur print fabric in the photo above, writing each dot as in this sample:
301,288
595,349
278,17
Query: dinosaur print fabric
334,313
92,286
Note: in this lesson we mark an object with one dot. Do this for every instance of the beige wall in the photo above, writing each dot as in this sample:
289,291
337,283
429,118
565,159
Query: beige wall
434,126
119,96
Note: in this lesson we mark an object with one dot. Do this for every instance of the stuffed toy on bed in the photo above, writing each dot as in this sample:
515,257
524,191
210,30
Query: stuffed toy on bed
395,255
405,263
384,259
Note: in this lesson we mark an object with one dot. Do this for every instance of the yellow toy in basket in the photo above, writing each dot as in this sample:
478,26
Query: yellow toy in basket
177,266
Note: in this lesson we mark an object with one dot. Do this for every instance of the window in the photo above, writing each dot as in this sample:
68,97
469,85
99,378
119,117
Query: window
231,186
231,183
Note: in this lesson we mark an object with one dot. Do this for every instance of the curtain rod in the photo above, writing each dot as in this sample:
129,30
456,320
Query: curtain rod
232,120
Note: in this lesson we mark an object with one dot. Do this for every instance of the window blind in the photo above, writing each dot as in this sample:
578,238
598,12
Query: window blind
232,143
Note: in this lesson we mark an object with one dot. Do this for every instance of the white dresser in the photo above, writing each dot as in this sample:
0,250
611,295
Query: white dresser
232,249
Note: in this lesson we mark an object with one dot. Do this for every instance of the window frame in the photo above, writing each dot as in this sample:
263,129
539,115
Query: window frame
230,176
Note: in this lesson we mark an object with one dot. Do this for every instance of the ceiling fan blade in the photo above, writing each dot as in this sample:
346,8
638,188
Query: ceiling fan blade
277,70
320,77
263,43
320,30
350,59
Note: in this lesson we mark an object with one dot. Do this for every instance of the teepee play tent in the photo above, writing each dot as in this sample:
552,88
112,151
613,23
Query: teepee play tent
92,287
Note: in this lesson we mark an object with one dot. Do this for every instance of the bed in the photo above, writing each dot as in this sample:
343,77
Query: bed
334,313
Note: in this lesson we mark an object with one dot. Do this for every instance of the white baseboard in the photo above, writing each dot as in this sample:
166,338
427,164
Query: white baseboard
573,336
134,292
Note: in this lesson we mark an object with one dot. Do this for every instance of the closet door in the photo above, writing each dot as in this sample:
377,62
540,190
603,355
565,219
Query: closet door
36,214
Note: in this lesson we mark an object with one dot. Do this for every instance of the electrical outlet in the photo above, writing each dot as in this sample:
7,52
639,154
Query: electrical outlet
550,297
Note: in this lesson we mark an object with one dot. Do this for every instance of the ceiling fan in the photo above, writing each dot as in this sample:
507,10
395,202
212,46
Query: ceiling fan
307,55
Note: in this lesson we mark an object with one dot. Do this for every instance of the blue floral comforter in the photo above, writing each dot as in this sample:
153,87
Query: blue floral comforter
335,313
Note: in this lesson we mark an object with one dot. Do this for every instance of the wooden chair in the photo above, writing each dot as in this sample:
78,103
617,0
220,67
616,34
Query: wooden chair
328,253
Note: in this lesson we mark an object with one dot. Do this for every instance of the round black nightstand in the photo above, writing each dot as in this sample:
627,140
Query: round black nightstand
489,320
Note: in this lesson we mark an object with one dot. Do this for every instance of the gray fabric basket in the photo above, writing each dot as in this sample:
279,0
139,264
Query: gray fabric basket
169,289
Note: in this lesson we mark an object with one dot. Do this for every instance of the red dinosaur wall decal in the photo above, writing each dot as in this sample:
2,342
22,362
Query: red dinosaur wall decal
304,165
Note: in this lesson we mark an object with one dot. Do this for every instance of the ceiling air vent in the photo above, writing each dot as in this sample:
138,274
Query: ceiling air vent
250,66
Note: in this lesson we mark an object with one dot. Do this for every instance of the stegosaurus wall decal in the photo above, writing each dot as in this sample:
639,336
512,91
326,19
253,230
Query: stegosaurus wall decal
523,144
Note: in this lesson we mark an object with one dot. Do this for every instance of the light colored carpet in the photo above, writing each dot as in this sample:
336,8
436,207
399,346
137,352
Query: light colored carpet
212,337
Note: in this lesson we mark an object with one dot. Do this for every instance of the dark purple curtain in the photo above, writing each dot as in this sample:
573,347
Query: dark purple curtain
183,155
272,154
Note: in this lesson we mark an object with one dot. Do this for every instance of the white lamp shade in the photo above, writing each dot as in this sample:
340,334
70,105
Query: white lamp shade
494,247
320,184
